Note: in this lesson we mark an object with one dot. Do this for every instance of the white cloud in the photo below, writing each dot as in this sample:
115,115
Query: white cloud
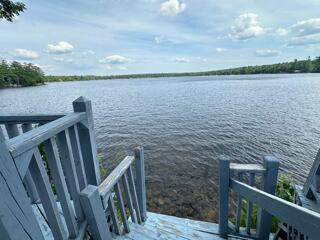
181,60
267,53
61,47
114,59
305,40
172,7
219,50
306,27
26,54
61,59
246,26
281,32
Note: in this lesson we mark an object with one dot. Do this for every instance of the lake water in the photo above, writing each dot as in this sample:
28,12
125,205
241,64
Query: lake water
186,123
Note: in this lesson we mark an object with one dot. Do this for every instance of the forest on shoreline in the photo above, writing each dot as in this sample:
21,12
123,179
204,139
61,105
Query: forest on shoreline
297,66
16,74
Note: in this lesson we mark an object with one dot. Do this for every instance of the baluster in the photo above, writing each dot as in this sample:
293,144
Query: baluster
47,198
77,154
249,206
129,198
113,213
13,131
239,207
140,177
68,165
60,185
134,194
122,208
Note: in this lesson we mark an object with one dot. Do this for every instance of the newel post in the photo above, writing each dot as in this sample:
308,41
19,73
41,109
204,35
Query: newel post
268,184
141,187
224,178
88,141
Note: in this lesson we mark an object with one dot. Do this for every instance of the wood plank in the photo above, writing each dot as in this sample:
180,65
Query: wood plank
31,139
247,168
127,193
313,171
122,208
60,185
68,165
291,213
140,181
239,207
250,205
27,119
41,180
88,140
113,213
17,220
78,159
93,208
134,194
115,175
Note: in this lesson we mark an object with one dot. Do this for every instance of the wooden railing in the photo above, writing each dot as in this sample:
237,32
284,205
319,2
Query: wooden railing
304,221
98,200
47,157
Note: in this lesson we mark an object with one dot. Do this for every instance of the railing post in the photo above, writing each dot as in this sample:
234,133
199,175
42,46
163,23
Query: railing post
88,141
141,188
95,215
268,184
224,178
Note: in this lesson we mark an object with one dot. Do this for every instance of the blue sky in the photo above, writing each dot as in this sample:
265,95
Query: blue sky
143,36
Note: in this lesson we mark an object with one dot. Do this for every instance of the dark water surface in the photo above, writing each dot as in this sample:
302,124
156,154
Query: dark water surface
185,123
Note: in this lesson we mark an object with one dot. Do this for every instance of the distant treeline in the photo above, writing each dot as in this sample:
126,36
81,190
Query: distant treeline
16,74
296,66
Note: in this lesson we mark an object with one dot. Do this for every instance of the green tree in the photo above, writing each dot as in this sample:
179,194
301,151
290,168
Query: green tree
9,10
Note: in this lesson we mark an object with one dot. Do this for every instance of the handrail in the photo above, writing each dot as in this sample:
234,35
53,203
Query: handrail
247,168
294,215
29,118
29,140
114,176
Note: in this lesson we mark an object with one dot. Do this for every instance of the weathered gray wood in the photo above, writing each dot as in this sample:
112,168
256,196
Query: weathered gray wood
17,220
38,135
60,185
300,218
121,207
134,194
268,185
224,177
127,192
239,208
140,181
106,186
67,160
23,161
27,119
31,187
249,207
78,159
247,168
44,190
312,176
13,131
88,141
113,213
93,209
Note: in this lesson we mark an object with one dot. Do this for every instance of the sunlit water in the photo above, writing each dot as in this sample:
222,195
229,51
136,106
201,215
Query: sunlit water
185,123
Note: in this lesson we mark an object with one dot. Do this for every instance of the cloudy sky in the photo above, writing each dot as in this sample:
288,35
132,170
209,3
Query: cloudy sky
144,36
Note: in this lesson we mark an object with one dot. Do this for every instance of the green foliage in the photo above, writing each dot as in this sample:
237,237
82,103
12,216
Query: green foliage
296,66
9,10
20,74
284,190
103,171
